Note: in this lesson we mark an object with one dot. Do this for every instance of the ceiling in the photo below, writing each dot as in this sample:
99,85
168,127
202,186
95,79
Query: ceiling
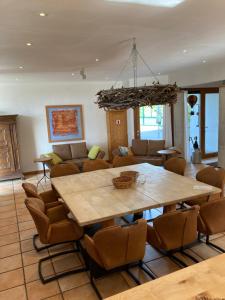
76,32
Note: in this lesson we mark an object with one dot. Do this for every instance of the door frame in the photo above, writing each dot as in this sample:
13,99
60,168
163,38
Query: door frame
137,123
202,92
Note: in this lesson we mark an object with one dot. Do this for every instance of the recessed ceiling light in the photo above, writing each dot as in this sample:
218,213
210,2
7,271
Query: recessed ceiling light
159,73
203,61
163,3
43,14
21,67
72,74
17,79
29,44
185,51
97,59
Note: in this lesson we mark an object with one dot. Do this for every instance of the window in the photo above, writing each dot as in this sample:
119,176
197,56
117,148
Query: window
151,122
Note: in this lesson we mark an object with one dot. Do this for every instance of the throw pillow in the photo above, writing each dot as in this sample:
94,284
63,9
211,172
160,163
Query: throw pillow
55,158
93,152
123,150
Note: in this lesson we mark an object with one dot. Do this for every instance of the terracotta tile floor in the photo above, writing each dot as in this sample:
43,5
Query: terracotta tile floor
19,278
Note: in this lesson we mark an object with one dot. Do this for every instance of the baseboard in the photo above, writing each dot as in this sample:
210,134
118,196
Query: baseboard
33,172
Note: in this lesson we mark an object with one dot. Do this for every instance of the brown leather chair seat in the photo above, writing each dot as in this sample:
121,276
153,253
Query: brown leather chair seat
49,197
54,227
64,170
121,161
212,176
176,165
211,220
116,248
174,231
93,165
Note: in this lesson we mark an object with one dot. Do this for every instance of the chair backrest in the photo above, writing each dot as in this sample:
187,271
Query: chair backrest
212,215
121,161
176,165
36,208
212,176
178,228
117,246
64,170
93,165
30,190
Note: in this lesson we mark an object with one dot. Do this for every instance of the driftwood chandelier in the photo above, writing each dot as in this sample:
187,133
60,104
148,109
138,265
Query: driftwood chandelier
132,97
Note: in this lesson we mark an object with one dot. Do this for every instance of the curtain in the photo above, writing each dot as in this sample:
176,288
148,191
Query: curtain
167,126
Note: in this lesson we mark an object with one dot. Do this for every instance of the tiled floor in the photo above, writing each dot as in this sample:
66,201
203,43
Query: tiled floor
18,260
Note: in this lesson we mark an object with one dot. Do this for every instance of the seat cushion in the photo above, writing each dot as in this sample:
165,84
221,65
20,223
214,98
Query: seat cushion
139,147
77,161
154,146
153,160
63,151
79,150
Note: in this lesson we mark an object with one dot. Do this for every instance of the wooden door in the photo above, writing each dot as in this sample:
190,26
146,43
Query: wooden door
7,165
117,130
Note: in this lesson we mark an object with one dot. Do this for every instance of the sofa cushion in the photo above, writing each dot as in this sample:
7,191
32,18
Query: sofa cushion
62,151
55,158
93,152
139,147
79,150
154,146
153,160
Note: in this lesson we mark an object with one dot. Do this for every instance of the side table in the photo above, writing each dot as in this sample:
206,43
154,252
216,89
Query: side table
43,160
167,153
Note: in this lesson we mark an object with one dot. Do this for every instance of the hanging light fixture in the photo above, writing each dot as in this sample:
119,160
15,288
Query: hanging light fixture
132,97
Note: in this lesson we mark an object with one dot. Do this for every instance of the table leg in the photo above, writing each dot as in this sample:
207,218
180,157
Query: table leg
44,176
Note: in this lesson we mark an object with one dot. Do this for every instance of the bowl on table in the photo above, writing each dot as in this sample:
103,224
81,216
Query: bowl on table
122,182
132,174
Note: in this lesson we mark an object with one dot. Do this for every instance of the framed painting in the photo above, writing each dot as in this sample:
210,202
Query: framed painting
65,123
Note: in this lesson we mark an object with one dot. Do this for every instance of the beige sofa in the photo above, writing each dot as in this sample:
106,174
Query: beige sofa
146,151
74,153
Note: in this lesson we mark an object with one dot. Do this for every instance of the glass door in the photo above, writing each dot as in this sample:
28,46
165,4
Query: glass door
194,122
211,124
203,121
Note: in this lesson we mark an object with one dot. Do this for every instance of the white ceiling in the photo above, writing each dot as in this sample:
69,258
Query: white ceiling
76,32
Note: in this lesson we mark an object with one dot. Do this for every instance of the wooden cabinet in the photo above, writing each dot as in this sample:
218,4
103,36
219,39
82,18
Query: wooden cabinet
117,130
9,152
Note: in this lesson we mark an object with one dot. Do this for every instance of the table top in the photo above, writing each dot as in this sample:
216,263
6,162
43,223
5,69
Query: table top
92,198
42,159
205,280
167,151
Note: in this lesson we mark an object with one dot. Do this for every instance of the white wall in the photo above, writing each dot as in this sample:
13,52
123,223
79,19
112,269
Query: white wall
28,100
198,74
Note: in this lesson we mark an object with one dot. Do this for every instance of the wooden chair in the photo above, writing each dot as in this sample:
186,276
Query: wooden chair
64,170
211,220
121,161
93,165
176,165
116,248
174,231
54,228
212,176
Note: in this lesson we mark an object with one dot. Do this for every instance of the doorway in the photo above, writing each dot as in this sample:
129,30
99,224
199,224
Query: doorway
203,121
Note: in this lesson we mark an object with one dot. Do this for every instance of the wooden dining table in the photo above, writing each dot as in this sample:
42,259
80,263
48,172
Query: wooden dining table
92,198
202,281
